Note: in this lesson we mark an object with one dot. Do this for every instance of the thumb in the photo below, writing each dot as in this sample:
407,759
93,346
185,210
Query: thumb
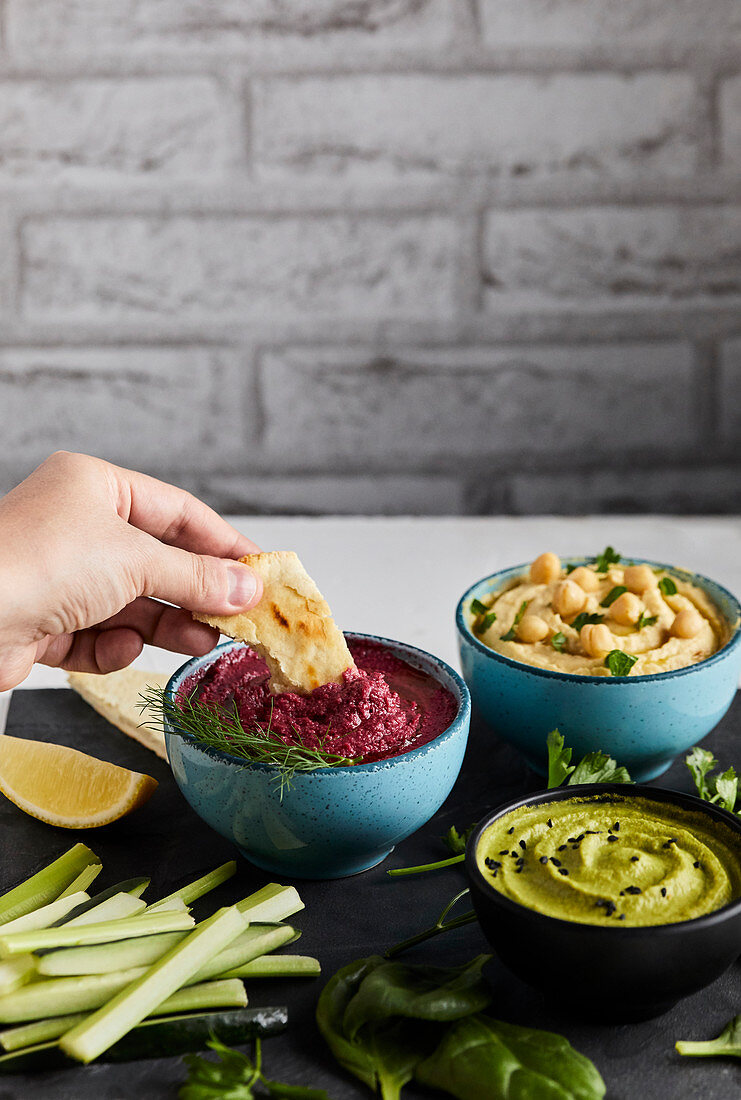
215,586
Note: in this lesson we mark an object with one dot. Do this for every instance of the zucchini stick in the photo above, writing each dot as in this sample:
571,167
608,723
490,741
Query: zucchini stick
273,903
46,885
16,972
201,886
113,930
274,966
85,878
87,1040
219,994
46,915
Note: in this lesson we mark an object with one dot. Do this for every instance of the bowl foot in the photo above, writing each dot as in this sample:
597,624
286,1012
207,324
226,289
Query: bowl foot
318,869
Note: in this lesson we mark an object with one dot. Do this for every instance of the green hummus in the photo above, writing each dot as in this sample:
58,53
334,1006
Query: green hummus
612,860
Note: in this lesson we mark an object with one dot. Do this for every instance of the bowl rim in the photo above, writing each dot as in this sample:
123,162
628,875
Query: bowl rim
559,794
733,642
460,721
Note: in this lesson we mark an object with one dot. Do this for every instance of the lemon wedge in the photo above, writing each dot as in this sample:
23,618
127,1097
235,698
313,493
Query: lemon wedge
65,787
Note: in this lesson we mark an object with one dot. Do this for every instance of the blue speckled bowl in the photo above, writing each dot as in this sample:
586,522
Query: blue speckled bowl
643,721
334,821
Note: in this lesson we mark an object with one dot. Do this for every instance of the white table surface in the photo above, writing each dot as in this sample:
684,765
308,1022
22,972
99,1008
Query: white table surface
402,577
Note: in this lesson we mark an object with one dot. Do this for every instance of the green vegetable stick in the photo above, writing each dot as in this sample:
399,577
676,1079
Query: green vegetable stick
219,994
250,945
113,930
273,903
16,972
201,886
46,915
46,885
58,996
274,966
120,905
90,1038
85,878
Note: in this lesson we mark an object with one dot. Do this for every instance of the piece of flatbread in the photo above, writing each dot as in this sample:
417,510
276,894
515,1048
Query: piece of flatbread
291,628
115,695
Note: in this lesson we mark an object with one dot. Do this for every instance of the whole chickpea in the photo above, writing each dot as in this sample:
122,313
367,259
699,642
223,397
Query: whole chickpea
597,640
637,578
569,598
532,628
585,578
626,609
545,569
687,623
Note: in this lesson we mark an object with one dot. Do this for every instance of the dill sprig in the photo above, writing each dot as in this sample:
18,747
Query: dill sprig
217,727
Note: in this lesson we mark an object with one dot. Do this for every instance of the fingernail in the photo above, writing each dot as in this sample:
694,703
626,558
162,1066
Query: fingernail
242,585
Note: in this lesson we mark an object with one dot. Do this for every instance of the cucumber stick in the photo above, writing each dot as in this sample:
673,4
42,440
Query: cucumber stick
46,915
65,936
16,972
59,996
272,903
46,885
201,886
90,1038
154,1038
145,950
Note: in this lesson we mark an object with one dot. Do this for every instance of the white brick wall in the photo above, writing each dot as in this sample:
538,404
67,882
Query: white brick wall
377,255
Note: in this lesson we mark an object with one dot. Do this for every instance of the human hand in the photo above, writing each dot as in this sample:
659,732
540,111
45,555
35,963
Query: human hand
87,551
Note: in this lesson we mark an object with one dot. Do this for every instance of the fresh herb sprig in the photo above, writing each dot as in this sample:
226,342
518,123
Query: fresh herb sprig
619,663
727,1045
594,767
585,617
719,789
607,558
237,1077
645,620
216,727
511,633
442,924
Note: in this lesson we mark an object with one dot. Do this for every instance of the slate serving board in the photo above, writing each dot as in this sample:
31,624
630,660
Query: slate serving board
344,920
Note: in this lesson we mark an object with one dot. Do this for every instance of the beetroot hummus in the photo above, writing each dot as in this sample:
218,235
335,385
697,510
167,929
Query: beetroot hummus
383,707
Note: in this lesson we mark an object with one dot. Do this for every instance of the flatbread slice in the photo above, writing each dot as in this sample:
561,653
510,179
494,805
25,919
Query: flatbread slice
291,628
116,696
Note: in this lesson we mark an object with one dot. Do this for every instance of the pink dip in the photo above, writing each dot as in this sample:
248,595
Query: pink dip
382,708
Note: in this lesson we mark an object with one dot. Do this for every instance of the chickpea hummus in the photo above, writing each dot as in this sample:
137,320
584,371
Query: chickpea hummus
599,619
612,859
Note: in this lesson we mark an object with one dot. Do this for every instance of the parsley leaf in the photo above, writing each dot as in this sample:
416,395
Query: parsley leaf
612,595
607,558
482,625
646,620
721,789
570,567
584,617
478,608
598,767
667,586
558,641
619,663
455,841
559,759
516,622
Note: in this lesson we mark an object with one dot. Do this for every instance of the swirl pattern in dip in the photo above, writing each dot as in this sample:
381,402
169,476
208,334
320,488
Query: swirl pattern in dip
612,859
571,619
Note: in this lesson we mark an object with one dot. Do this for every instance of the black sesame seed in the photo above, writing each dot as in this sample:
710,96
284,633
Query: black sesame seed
580,838
514,854
543,859
696,863
634,859
510,831
622,916
633,890
519,862
616,826
555,862
504,851
612,839
562,871
663,891
518,870
622,893
523,845
561,848
492,863
549,823
571,840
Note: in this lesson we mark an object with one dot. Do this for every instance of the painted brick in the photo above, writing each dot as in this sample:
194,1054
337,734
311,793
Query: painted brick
237,267
730,392
593,123
598,22
672,490
729,106
371,494
138,27
92,129
125,405
627,255
431,408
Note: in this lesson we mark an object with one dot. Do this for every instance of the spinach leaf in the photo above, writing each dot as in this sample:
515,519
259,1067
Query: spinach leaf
598,767
330,1012
721,789
484,1059
559,759
420,992
727,1045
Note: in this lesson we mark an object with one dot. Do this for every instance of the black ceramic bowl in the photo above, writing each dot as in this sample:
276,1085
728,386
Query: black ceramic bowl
608,972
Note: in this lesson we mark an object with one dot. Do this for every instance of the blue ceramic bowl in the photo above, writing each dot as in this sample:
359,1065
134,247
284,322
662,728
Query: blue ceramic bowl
643,721
334,821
